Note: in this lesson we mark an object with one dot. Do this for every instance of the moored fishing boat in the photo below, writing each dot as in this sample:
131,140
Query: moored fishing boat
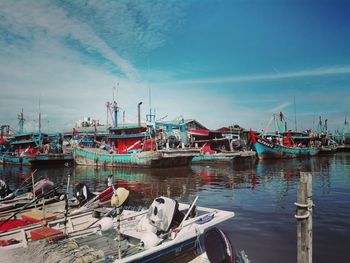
282,146
147,159
34,148
134,145
283,143
218,147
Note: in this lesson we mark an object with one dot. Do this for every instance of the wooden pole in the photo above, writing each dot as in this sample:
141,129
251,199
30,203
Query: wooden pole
304,218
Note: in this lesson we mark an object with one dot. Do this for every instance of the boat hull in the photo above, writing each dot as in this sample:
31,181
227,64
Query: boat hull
223,158
149,159
37,160
267,150
327,150
215,158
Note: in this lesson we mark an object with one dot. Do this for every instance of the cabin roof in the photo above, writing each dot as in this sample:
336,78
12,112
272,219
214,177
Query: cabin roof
25,134
22,142
127,127
230,129
126,136
191,123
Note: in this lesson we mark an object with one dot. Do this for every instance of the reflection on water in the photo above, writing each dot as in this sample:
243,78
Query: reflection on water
262,195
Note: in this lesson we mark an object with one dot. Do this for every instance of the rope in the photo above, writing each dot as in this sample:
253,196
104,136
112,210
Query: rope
308,211
305,216
308,205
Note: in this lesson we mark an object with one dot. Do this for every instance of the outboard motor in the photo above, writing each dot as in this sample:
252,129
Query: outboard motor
164,213
82,193
173,141
4,189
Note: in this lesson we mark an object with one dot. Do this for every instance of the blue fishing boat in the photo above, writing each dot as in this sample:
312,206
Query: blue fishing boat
34,148
282,145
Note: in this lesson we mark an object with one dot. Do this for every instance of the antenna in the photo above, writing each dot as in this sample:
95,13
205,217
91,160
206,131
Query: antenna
150,117
107,107
21,122
295,116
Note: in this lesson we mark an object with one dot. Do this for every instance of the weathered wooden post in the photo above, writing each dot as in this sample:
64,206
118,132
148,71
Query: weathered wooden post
304,218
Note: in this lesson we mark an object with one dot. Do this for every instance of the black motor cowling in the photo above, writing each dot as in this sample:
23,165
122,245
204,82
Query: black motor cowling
4,189
82,193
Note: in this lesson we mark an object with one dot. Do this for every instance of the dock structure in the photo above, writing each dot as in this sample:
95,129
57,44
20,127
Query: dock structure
303,215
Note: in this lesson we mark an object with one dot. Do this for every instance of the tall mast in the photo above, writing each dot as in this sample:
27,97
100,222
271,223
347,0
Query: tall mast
150,117
21,122
295,116
115,108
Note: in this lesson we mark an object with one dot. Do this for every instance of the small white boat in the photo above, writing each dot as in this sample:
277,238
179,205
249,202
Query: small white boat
52,209
162,232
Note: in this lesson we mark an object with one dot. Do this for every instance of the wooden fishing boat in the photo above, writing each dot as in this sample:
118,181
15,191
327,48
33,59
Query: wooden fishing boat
34,148
134,145
48,209
164,231
282,145
218,148
44,192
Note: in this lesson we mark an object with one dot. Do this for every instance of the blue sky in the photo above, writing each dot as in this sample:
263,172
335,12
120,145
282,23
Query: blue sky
220,62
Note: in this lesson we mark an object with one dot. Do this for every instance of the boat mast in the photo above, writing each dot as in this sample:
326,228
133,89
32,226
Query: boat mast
115,108
150,117
295,116
21,122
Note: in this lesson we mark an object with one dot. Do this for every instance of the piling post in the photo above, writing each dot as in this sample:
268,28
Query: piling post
303,215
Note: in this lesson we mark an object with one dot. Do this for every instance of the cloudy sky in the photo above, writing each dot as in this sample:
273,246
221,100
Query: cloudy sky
220,62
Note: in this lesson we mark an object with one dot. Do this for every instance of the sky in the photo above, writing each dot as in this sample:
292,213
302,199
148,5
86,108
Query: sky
221,62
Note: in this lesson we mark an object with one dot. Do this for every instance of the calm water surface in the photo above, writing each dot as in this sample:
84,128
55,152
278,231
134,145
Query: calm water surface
261,194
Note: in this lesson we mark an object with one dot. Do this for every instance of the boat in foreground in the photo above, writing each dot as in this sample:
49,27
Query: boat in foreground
162,233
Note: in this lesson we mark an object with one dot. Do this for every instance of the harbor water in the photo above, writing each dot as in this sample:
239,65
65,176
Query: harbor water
262,195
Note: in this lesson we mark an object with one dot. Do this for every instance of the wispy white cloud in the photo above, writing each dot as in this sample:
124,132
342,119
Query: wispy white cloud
43,20
279,107
337,70
71,53
63,52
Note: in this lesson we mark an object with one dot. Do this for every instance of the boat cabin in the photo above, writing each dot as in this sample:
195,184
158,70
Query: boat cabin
35,142
127,139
